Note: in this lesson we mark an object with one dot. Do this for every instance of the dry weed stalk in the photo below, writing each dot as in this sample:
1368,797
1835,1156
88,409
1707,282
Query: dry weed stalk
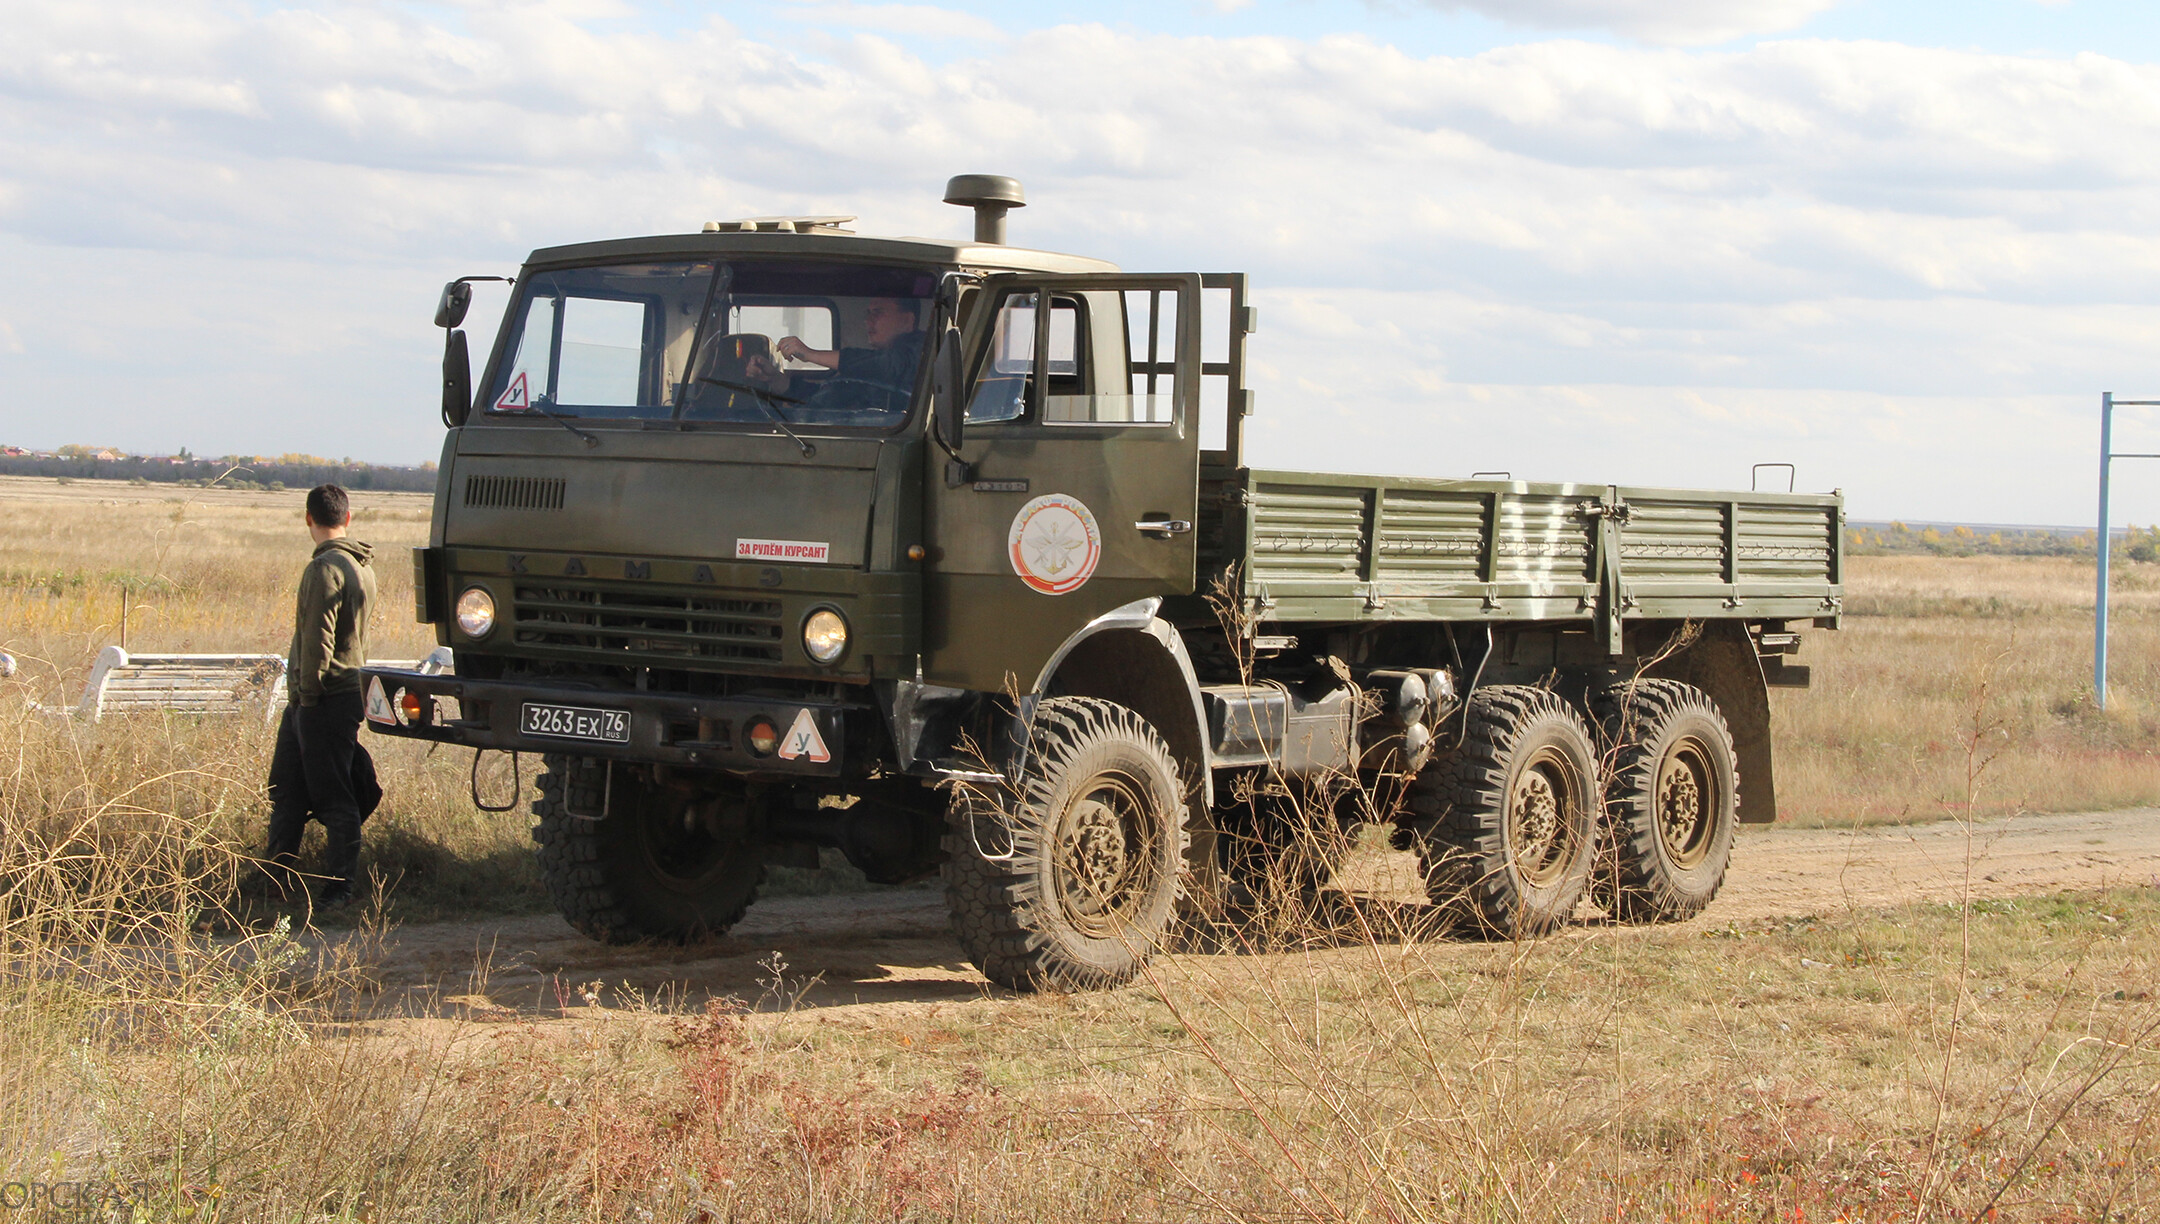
1980,734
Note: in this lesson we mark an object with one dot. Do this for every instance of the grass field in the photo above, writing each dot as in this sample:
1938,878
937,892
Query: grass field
1924,1063
1882,735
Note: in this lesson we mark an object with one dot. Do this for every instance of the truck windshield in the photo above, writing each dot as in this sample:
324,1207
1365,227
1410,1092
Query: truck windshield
743,344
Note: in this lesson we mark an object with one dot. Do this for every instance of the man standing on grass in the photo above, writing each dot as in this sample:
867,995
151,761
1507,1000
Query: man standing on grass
311,772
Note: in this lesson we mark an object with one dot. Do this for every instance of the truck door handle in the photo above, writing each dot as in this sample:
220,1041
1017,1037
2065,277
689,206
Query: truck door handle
1162,529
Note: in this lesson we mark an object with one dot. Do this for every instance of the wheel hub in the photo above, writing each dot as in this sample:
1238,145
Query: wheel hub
1683,802
1095,846
1100,855
1538,815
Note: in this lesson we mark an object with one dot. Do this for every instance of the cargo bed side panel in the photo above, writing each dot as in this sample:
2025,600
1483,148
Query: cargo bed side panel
1333,548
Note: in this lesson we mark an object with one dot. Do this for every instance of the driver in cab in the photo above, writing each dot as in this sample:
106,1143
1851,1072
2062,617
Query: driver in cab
879,372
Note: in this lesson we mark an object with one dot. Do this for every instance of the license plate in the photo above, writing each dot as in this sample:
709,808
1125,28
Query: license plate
577,722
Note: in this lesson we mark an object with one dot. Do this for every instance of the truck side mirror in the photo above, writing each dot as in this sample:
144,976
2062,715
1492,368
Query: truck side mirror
947,392
456,377
456,298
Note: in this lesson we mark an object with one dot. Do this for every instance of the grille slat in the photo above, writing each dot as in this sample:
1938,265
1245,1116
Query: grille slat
618,623
515,492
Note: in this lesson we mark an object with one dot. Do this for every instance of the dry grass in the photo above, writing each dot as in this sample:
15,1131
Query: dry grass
215,572
209,572
1926,1063
1856,1068
1876,739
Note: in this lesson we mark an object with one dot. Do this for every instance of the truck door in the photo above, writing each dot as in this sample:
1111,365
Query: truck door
1078,479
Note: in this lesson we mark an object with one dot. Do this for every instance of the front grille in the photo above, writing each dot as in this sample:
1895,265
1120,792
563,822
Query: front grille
618,623
515,492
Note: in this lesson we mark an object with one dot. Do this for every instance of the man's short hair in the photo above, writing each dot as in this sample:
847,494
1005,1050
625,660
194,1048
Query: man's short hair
328,506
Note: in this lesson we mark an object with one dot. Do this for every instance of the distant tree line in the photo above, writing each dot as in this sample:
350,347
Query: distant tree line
2133,543
225,472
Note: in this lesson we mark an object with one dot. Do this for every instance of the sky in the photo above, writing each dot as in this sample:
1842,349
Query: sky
1903,245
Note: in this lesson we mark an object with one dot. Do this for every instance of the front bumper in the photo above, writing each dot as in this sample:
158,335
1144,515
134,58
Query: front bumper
657,728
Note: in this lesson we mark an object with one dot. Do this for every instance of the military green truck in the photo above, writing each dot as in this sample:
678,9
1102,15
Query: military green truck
775,537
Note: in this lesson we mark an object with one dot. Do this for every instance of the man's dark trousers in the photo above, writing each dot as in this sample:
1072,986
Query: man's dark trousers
311,774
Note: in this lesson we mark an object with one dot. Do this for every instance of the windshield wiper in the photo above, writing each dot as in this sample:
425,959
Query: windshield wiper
589,440
764,400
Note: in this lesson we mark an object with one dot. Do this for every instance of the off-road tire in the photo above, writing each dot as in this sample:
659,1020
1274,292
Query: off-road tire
1506,825
619,879
1098,791
1672,799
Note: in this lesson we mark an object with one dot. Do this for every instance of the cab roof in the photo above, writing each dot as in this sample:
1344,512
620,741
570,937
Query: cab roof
827,244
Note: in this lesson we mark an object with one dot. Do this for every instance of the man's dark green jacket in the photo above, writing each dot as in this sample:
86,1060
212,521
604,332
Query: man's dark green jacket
330,622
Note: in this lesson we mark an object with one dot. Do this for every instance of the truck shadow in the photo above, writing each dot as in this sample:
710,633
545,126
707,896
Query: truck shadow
788,952
791,953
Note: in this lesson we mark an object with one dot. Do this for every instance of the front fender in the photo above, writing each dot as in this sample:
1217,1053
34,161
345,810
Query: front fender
1133,657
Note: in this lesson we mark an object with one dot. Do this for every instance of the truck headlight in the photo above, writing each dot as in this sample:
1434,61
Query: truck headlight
475,612
824,635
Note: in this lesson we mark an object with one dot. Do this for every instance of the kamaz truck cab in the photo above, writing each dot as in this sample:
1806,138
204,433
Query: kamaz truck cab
775,537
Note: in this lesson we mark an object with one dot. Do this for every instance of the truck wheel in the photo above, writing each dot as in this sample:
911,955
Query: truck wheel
1070,881
1671,801
1507,824
659,865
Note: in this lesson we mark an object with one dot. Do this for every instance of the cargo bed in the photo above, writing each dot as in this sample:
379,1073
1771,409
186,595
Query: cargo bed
1313,547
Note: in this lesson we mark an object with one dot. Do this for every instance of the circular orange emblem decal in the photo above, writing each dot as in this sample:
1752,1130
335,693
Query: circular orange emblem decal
1055,544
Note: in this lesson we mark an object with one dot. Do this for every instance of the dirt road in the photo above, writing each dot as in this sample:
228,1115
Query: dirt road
892,947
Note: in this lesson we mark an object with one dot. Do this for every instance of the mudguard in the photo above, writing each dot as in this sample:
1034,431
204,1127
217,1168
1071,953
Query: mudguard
1723,664
1133,657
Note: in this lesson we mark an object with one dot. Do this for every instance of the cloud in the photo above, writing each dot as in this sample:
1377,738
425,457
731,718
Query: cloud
914,20
1960,408
1672,23
1531,258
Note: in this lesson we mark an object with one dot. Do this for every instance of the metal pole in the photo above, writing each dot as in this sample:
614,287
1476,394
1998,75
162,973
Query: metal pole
2100,600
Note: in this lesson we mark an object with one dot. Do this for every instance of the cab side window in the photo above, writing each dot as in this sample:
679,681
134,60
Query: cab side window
811,322
1048,365
1007,383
